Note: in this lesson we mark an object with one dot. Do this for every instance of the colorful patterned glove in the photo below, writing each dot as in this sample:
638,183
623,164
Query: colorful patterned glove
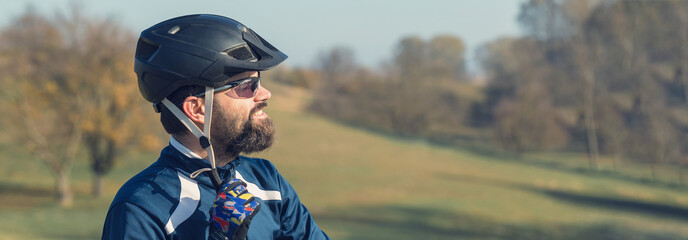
232,211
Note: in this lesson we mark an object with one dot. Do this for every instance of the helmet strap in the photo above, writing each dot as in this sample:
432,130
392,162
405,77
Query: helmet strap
203,136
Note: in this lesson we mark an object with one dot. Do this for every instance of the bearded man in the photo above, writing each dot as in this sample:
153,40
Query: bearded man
195,69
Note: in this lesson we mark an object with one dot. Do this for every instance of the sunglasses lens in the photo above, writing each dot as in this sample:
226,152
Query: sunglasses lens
248,88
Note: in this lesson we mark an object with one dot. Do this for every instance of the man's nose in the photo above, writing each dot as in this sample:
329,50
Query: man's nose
262,95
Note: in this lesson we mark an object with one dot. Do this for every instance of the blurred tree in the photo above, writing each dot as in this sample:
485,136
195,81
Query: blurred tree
440,59
423,82
72,86
528,125
519,96
546,20
500,64
299,77
419,96
43,94
604,58
584,59
680,16
613,130
336,64
409,59
337,67
556,25
628,32
446,58
114,119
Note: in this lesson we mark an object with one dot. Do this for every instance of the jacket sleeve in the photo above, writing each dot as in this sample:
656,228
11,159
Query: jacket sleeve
297,222
128,221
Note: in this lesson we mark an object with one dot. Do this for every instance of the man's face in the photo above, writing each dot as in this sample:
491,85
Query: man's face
239,125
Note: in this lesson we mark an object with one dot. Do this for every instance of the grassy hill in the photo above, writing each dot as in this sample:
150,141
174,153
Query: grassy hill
361,185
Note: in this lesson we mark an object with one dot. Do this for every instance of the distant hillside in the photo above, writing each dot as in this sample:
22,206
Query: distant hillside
363,185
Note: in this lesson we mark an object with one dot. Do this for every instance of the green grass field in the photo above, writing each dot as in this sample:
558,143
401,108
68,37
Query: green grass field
361,185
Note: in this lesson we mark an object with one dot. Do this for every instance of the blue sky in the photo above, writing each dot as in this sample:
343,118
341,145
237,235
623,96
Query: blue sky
303,28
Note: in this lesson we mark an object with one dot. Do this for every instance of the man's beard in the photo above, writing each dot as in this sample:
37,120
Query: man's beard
248,138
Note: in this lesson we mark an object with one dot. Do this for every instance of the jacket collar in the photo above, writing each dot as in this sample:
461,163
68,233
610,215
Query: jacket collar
183,149
180,158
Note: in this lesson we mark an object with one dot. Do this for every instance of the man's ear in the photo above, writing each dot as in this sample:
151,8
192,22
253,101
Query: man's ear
194,108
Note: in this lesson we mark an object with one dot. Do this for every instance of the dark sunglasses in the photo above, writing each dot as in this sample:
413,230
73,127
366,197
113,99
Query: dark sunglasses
244,88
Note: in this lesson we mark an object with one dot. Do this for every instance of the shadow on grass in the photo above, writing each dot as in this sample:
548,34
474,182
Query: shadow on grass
555,165
19,196
605,202
622,204
403,222
606,173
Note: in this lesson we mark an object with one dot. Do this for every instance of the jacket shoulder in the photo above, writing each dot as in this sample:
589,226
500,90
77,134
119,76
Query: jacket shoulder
152,188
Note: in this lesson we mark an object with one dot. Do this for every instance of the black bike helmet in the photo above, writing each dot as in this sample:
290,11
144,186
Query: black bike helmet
198,49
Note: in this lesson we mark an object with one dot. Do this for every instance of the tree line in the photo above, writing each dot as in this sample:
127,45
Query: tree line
601,77
607,77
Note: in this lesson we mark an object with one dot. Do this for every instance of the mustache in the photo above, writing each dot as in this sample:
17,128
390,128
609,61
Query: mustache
260,106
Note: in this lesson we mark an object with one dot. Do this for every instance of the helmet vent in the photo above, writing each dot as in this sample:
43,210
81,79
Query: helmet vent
174,30
145,49
241,52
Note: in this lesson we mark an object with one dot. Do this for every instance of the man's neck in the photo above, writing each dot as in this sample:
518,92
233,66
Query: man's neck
191,142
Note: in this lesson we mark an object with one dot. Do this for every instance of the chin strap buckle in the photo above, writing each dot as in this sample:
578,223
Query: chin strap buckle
205,143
